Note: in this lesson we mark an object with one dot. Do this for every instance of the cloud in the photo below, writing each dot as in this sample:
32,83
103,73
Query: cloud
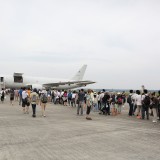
119,40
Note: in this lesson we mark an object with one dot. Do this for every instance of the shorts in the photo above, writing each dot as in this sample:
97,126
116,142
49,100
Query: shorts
24,102
11,98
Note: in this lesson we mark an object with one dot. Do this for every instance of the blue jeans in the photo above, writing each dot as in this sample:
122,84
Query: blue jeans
130,109
34,109
20,100
95,106
145,109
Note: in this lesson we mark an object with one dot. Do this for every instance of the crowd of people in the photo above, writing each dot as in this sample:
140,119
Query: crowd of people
141,103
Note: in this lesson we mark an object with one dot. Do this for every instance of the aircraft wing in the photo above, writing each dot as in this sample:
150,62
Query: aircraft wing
78,83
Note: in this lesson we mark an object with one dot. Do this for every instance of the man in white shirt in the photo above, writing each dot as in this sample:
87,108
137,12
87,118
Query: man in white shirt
134,102
139,103
24,101
73,101
101,97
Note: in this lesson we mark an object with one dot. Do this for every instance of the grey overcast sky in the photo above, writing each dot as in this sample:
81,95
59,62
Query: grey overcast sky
119,40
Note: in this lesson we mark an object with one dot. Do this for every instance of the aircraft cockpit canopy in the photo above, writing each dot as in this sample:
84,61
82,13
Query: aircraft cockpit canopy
18,78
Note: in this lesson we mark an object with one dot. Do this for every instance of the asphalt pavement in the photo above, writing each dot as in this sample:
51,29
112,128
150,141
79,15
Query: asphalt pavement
62,135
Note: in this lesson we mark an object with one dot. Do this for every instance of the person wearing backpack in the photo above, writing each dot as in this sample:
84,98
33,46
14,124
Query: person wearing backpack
130,102
43,102
81,95
69,97
25,101
34,101
20,96
11,96
106,104
145,104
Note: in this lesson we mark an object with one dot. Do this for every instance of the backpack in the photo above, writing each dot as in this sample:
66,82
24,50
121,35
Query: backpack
119,100
44,98
70,95
146,101
34,98
105,98
53,95
129,99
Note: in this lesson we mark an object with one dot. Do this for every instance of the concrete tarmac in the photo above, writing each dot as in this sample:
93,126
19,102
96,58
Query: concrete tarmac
62,135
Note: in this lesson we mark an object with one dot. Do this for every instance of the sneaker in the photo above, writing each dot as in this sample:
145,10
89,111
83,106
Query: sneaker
154,121
139,117
88,118
44,115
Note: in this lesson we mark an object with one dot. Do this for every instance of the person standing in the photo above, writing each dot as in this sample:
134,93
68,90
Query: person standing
119,101
145,104
158,97
130,102
95,102
16,95
106,104
11,96
34,101
2,95
24,101
43,102
89,104
99,100
81,96
134,102
139,104
73,101
20,96
69,97
154,106
65,98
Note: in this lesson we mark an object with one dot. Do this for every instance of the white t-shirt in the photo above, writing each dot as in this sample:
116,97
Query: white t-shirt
139,100
92,96
98,97
101,96
24,94
134,98
73,95
2,92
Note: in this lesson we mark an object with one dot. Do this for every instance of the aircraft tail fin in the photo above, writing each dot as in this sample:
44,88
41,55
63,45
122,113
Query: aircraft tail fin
79,75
